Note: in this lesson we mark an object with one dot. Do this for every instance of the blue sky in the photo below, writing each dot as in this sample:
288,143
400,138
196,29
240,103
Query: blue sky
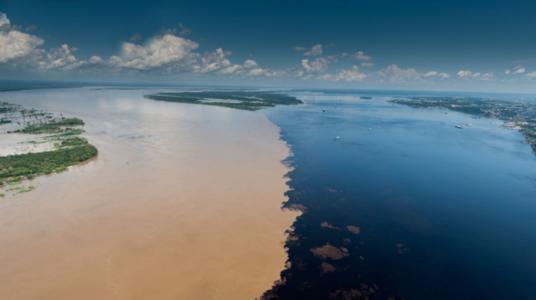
466,45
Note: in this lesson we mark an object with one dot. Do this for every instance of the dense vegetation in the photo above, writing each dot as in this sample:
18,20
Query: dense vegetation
63,133
245,100
14,168
54,126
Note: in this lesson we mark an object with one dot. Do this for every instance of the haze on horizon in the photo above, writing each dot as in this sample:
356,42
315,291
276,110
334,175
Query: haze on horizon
451,45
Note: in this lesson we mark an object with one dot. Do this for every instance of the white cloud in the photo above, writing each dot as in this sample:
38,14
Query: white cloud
218,62
15,44
23,49
436,74
250,63
60,58
159,52
531,75
467,74
252,69
518,70
316,50
395,73
259,72
362,57
4,21
174,53
487,76
95,59
164,53
316,65
348,75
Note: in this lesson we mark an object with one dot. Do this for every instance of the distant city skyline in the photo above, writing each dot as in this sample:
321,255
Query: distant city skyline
427,45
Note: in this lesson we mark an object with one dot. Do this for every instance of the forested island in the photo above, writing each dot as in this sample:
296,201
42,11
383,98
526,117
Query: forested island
47,144
245,100
516,114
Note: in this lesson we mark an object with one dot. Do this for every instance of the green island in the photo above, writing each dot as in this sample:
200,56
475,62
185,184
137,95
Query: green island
61,136
245,100
516,115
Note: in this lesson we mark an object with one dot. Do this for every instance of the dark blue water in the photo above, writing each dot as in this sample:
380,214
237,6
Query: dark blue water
444,213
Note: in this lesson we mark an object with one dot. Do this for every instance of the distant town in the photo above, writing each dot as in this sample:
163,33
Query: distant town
516,115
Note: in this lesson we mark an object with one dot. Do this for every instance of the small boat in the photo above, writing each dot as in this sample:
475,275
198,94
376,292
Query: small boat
458,126
337,137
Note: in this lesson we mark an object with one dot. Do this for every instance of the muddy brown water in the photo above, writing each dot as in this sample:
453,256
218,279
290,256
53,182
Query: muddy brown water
183,202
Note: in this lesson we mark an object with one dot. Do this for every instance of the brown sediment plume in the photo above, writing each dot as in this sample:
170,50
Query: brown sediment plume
354,229
329,251
327,267
182,203
325,224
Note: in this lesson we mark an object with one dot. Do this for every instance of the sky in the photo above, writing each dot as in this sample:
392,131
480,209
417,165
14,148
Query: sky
481,45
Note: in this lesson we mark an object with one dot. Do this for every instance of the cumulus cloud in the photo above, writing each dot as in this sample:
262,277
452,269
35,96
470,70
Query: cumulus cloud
364,59
316,65
436,74
531,75
395,73
347,75
172,52
468,74
218,62
15,44
361,56
158,52
314,61
252,69
518,70
60,58
316,50
95,59
487,76
4,21
164,53
18,46
261,72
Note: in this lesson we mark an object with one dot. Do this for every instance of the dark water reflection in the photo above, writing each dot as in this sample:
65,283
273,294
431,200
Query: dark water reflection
442,213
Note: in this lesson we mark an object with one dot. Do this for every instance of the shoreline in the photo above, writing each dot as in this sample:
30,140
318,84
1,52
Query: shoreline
202,218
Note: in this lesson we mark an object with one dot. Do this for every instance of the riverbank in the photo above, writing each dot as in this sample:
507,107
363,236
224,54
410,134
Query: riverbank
183,202
36,143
